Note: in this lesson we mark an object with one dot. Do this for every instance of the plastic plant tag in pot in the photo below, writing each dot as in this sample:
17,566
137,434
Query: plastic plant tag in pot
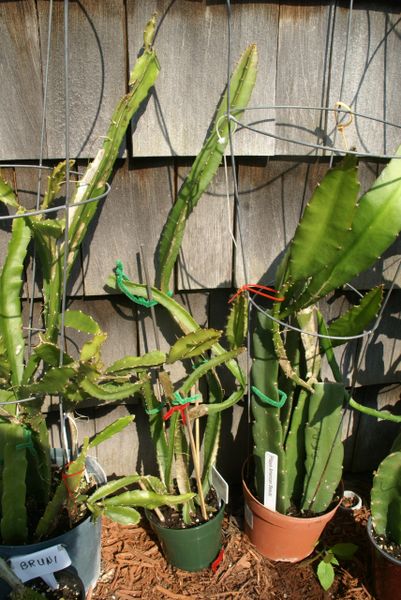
190,549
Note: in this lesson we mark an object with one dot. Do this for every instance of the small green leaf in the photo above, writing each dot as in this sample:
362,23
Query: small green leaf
78,320
125,515
111,430
193,344
344,551
325,573
7,195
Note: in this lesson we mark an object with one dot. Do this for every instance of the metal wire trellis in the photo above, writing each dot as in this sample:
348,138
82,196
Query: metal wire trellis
333,150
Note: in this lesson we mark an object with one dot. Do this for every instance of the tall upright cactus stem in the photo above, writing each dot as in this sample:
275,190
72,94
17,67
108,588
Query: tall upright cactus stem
10,303
92,184
205,166
14,518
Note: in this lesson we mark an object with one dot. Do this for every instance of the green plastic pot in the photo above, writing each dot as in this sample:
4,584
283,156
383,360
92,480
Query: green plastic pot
190,549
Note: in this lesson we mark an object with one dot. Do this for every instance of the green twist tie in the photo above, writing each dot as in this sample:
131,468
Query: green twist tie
179,400
200,363
121,277
155,411
267,400
28,441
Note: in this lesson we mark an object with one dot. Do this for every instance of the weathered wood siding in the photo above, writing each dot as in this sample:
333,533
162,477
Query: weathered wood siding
301,49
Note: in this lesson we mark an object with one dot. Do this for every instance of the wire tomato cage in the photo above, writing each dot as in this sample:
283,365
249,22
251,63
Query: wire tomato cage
344,115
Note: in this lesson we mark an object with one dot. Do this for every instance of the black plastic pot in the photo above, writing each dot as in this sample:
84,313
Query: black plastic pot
386,571
190,549
83,543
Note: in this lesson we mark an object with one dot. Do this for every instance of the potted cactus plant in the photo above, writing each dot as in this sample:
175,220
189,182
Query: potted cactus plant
298,453
26,378
384,527
192,539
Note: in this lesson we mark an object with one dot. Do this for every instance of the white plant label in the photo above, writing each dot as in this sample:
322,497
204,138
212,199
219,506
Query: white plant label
220,485
41,564
271,467
248,516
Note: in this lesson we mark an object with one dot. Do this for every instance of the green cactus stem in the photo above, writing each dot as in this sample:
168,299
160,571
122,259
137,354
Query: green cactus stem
386,498
205,166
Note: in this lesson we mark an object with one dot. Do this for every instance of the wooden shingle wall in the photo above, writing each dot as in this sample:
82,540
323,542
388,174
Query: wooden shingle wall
306,58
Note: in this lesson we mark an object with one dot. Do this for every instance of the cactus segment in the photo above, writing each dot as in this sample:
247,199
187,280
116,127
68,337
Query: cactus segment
76,319
14,520
125,515
193,344
212,431
142,79
111,430
266,428
10,303
376,224
7,195
324,448
205,367
181,316
129,363
108,392
54,182
332,206
91,350
156,426
147,499
358,317
66,488
386,498
237,322
205,166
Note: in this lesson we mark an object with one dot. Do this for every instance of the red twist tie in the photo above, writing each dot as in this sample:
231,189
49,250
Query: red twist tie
65,476
181,408
255,288
218,560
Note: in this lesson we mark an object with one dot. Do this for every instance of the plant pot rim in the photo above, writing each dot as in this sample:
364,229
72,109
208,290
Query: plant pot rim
289,517
383,552
151,517
351,494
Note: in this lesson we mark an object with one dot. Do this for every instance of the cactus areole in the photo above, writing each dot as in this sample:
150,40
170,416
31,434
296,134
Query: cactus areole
339,235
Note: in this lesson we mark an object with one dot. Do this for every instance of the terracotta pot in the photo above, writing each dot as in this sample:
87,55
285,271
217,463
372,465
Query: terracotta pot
386,571
280,537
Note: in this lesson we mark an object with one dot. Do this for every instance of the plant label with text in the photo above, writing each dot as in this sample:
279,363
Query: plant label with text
41,564
220,485
271,467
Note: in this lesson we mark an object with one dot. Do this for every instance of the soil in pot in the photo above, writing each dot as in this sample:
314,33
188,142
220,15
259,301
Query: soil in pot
70,586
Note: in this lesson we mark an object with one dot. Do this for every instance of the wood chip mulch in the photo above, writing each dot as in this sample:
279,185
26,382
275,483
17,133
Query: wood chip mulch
133,567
